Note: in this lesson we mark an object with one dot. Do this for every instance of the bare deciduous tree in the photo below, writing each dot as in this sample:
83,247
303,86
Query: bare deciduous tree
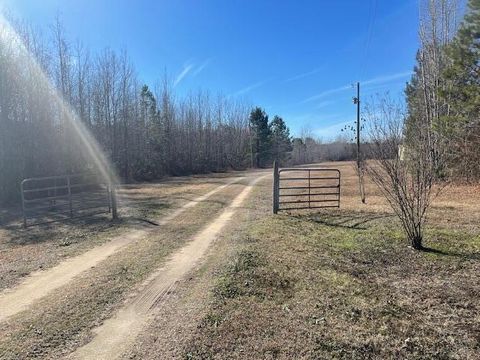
405,174
438,24
144,135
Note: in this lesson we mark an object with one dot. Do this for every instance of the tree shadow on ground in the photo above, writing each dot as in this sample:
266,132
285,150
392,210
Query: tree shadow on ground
456,254
346,219
55,230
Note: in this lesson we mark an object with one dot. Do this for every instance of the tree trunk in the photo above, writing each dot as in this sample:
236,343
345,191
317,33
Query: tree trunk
417,243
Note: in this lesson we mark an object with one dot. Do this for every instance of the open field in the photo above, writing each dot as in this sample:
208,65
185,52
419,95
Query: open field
339,283
332,284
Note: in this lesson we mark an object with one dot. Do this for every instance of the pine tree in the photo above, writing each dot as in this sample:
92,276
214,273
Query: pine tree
463,70
461,124
261,136
149,114
414,96
281,141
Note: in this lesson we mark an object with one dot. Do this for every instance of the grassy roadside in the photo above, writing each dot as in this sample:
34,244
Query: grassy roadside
342,284
62,321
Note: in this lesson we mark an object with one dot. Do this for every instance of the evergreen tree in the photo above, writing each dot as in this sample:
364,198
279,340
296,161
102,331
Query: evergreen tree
281,141
416,105
261,136
462,72
149,115
427,108
461,124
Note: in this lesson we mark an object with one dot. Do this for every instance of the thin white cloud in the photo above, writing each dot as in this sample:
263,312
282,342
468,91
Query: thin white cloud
374,81
387,78
303,75
183,73
202,66
323,104
248,88
327,93
382,87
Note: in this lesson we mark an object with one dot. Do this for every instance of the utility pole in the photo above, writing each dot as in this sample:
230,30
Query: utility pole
356,100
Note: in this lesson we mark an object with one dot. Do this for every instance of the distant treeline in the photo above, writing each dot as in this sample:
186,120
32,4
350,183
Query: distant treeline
144,133
50,87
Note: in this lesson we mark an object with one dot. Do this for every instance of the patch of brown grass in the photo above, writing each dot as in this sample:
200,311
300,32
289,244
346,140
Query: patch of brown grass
345,284
23,251
63,320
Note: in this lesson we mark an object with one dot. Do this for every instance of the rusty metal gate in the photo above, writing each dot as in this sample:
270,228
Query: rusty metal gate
55,198
305,188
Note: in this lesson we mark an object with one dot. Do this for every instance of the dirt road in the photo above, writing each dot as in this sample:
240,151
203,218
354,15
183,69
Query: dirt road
40,283
60,302
117,333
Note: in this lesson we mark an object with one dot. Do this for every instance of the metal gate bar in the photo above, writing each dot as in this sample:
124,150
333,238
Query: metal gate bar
56,198
285,188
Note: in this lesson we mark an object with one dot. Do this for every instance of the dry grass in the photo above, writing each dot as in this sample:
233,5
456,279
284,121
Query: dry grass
345,284
325,285
63,320
23,251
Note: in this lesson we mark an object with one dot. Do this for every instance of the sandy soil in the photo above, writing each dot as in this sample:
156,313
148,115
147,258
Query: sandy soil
37,248
182,311
40,283
118,333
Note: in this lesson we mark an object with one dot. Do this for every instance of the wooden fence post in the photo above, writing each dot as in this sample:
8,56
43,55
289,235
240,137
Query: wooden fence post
275,187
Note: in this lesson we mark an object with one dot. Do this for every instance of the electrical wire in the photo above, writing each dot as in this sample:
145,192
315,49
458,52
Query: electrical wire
368,40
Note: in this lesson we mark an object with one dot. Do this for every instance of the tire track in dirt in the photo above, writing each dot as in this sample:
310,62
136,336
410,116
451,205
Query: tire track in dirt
118,333
40,283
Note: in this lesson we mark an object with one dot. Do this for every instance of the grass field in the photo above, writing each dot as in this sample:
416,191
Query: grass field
336,283
344,284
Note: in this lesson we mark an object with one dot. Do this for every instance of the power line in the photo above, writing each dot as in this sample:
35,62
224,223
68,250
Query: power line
368,40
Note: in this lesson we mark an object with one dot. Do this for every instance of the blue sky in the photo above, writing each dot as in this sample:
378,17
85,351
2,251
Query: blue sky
296,59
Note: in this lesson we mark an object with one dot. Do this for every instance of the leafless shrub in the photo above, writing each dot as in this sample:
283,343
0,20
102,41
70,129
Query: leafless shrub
406,180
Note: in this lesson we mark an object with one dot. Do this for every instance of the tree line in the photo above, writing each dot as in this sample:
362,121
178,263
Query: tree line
272,141
443,96
50,87
419,145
